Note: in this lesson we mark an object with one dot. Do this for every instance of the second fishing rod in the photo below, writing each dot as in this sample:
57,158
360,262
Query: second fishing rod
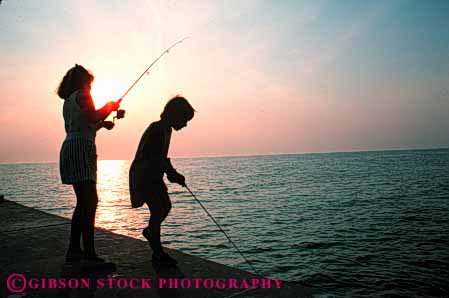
221,229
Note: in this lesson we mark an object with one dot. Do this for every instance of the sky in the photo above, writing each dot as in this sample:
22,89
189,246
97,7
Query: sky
265,77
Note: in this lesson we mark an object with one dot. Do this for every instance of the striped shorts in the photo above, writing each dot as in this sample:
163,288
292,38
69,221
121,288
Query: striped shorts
78,161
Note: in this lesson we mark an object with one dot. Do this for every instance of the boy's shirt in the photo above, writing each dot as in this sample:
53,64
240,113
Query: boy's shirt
150,163
154,143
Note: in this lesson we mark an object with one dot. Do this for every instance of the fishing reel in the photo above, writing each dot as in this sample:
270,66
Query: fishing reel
120,114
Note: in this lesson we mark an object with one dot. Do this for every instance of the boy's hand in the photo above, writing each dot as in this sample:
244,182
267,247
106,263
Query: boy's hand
108,125
177,178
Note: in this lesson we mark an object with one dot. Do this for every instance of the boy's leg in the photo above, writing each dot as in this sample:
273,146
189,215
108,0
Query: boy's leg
162,198
160,209
156,216
166,203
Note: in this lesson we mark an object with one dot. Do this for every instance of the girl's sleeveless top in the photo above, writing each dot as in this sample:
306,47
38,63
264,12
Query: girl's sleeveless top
78,155
75,121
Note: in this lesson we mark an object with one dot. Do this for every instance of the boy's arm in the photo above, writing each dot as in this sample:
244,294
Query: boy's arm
153,140
167,167
173,175
153,150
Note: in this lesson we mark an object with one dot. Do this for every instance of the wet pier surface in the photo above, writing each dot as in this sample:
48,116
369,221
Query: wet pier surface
32,251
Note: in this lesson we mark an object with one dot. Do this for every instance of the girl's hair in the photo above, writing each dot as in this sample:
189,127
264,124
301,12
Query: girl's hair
73,80
178,107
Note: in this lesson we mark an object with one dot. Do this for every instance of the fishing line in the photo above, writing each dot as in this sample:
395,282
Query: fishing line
154,62
232,242
120,115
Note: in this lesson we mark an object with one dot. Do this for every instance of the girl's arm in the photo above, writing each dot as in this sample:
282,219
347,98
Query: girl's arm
106,124
86,103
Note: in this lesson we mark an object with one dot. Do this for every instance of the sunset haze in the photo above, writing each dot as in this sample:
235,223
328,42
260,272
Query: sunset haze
266,77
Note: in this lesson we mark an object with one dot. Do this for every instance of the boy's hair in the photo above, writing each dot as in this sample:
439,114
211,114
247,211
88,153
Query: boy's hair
73,80
178,107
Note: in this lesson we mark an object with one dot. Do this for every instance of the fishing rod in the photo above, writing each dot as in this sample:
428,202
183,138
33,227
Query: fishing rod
121,113
213,219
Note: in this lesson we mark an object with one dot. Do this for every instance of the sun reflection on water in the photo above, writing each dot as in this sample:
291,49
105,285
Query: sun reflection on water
114,208
114,211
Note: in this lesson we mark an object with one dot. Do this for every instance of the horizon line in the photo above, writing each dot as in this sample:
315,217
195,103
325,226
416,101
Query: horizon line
255,155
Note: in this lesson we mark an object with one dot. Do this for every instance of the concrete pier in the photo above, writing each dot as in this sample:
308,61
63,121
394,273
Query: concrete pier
32,250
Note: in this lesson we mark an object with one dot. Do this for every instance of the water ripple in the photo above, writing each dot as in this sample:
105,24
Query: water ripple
353,224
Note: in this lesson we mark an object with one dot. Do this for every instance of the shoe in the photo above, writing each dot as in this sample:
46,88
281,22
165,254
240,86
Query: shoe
73,256
163,259
146,233
96,263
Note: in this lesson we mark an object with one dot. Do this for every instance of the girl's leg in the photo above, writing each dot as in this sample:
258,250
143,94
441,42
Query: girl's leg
75,231
86,193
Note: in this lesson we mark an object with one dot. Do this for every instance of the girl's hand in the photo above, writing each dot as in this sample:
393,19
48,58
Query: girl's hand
108,125
114,105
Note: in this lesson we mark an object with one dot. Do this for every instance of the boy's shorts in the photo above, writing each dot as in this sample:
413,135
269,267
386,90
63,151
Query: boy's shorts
158,199
156,192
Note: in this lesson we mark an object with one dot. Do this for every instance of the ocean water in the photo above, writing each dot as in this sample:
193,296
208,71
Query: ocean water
366,224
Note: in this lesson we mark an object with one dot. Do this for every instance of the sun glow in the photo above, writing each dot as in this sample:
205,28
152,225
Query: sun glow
106,90
114,205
